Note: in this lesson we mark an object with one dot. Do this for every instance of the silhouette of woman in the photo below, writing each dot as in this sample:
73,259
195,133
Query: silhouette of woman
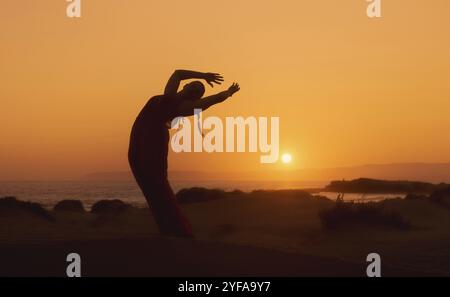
149,142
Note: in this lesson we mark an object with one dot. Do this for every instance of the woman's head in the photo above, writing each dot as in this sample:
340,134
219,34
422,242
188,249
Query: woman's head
193,91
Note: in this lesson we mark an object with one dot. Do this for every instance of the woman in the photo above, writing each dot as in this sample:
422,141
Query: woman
149,143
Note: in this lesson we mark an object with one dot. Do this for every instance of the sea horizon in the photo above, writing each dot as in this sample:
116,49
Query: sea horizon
49,193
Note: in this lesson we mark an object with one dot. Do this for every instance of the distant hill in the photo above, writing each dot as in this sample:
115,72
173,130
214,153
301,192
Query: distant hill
426,172
367,185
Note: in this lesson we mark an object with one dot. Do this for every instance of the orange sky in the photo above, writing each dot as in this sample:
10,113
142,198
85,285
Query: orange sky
348,89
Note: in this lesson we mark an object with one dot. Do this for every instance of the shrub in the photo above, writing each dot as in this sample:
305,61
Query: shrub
110,207
416,197
441,197
69,206
193,195
347,215
10,206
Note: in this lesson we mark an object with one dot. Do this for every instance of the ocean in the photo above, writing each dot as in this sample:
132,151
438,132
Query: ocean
89,192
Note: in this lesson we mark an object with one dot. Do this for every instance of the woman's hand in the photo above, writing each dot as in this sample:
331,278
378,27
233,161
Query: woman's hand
233,89
213,78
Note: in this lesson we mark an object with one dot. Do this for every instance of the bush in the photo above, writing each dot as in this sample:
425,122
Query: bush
69,206
197,194
110,207
416,197
300,194
193,195
347,215
10,206
441,197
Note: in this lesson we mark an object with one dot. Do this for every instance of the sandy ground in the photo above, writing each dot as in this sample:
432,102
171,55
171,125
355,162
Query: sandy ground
170,257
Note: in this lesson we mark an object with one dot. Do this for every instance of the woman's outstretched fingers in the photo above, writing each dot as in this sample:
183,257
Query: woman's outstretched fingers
234,88
213,78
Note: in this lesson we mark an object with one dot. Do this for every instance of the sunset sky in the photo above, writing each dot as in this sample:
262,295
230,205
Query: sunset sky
349,90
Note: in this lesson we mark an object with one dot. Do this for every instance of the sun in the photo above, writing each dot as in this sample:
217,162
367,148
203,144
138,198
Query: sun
286,158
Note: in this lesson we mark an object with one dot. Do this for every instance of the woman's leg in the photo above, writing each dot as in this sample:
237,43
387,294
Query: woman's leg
162,202
166,210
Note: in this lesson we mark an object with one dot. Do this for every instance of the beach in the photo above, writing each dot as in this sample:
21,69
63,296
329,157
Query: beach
263,233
